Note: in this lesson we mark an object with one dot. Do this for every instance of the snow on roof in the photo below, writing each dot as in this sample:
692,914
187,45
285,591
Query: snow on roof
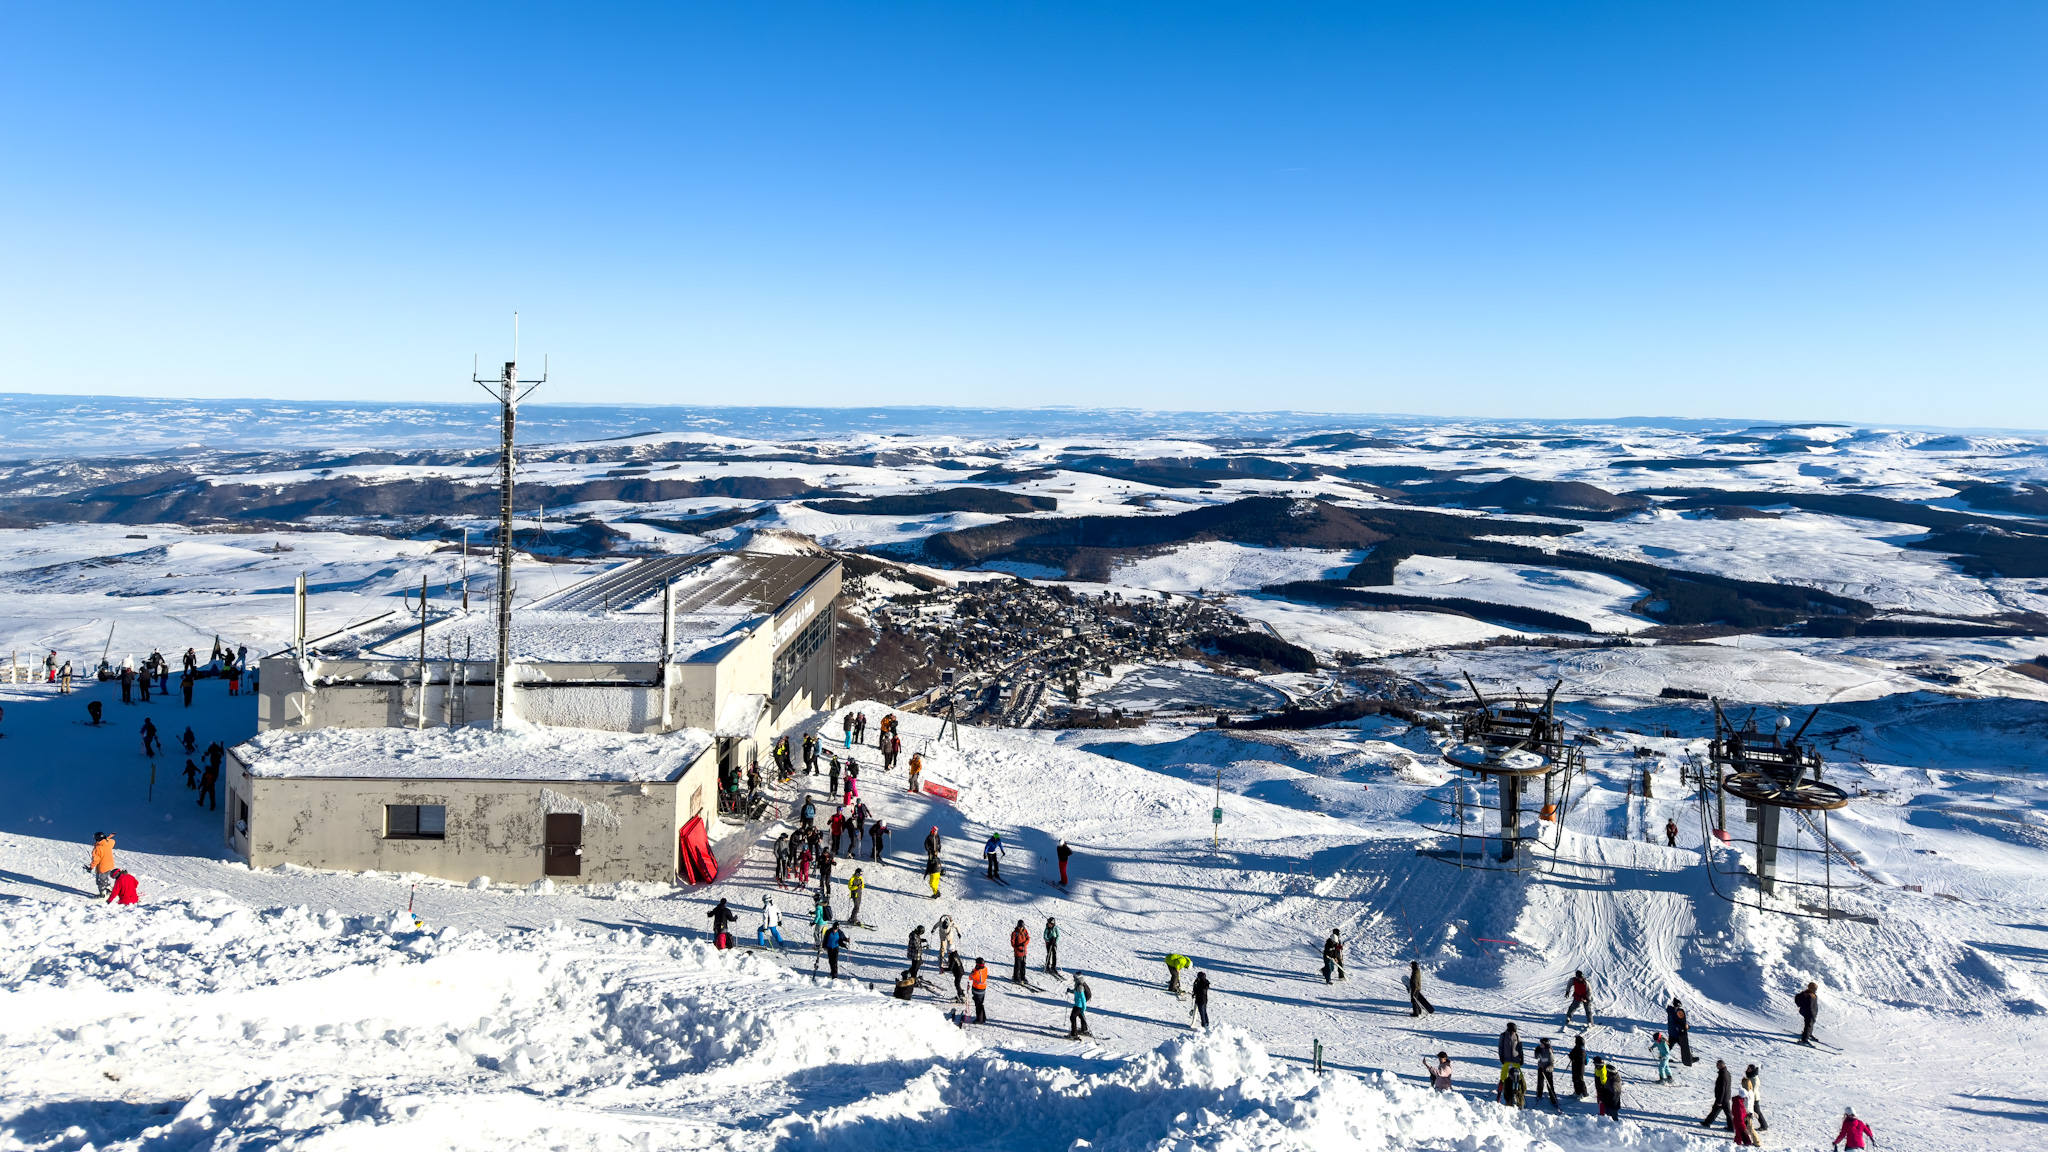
525,752
741,714
574,637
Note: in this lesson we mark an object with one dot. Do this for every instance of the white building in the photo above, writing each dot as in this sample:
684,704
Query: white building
607,722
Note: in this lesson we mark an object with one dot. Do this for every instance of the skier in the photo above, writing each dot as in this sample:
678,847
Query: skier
1855,1133
1333,956
916,771
127,684
1671,833
92,708
838,825
191,776
125,891
1546,1073
820,916
142,681
875,836
1661,1049
957,969
1077,1016
1722,1096
782,860
906,985
148,737
1681,1031
207,780
1202,997
932,841
1510,1045
1440,1072
1752,1083
1577,1058
771,924
1808,1002
810,746
1052,946
102,865
856,887
835,939
1020,943
989,852
846,723
860,728
1582,997
188,741
914,949
1417,1002
833,788
721,919
808,813
1064,853
1175,965
978,981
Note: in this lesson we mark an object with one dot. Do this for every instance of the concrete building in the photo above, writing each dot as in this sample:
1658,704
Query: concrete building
628,695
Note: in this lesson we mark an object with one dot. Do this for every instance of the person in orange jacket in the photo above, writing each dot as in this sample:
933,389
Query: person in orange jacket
977,980
102,866
1020,942
125,890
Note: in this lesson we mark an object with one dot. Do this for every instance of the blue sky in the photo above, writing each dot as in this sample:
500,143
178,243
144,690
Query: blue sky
1810,210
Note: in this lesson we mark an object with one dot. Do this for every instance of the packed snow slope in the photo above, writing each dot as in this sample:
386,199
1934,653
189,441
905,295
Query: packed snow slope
244,1009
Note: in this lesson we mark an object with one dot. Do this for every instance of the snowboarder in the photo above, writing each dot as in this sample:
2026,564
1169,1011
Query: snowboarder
1546,1073
1175,965
125,891
1064,853
721,919
1077,1016
835,939
1439,1072
1808,1002
1052,946
1577,1059
1855,1133
771,924
989,852
978,981
1661,1049
1681,1031
102,865
931,874
856,887
1417,1002
1333,956
1020,943
1671,833
1202,997
1723,1096
1582,997
1510,1045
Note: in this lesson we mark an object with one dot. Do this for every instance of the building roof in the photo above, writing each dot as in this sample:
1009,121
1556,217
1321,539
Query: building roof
521,752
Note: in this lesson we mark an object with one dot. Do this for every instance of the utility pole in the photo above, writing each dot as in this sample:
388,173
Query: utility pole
506,391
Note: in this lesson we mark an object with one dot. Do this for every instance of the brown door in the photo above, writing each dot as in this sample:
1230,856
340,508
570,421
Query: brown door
562,852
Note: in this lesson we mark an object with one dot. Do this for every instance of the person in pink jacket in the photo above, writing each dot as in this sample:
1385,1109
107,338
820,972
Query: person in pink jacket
1855,1133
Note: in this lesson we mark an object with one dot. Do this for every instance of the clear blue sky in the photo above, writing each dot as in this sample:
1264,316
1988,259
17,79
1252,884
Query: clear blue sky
1792,210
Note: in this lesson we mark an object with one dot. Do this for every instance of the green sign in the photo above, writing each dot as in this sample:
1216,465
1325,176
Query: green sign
1215,815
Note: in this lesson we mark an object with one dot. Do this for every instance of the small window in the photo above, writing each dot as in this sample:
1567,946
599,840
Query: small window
415,821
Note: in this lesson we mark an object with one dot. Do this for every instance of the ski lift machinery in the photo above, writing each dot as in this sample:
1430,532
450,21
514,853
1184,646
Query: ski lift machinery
1511,745
1772,774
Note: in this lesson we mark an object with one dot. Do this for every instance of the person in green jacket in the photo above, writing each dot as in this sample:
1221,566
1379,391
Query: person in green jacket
1052,946
1175,965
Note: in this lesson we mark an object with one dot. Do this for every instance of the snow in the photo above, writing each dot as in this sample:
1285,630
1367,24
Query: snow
1600,600
1220,566
520,752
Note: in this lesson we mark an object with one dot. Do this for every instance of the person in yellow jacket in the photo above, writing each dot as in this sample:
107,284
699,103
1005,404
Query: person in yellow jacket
856,886
1175,965
102,866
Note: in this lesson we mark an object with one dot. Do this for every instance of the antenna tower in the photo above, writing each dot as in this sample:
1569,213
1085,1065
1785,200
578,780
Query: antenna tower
506,390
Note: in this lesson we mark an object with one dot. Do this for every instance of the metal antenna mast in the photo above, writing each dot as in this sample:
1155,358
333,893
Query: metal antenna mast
506,391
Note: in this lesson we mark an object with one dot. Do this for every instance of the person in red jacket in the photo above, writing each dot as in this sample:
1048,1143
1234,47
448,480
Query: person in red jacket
1855,1133
1020,942
125,891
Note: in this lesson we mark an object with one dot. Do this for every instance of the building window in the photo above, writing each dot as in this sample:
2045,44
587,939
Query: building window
415,821
796,656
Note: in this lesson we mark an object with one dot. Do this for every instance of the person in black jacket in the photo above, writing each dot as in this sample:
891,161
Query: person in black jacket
1578,1060
1202,996
1723,1094
1680,1031
835,939
1511,1050
1546,1072
1809,1009
1066,854
721,919
1417,1002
